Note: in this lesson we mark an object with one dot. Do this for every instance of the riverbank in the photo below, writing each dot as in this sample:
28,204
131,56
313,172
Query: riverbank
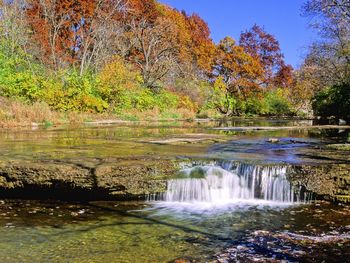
17,114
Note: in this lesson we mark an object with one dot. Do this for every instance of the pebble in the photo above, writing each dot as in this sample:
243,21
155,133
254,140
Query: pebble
242,248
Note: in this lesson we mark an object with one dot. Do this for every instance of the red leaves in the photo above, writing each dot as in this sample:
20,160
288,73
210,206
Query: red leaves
264,47
143,10
284,77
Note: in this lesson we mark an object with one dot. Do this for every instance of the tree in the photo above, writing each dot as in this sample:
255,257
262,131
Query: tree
155,50
333,102
49,22
329,58
201,47
74,32
284,77
239,74
97,31
264,47
331,8
331,54
13,28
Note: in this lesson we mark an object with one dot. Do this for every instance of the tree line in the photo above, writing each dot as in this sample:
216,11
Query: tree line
126,55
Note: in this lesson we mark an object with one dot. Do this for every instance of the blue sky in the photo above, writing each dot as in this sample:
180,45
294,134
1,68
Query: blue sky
279,17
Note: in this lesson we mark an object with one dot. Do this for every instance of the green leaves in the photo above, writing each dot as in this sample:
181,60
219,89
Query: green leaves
333,102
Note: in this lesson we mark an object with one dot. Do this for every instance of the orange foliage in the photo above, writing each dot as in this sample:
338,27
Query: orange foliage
239,70
284,77
265,48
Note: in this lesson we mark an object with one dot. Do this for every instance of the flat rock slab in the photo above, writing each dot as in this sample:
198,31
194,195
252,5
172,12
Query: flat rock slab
88,179
189,139
341,147
273,128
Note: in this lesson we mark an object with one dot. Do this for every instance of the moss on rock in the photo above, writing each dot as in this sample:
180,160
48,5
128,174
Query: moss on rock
130,178
330,181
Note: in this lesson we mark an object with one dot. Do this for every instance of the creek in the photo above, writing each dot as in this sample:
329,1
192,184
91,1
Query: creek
233,196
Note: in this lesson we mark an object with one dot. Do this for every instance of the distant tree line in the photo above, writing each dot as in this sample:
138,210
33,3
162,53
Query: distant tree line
326,69
126,55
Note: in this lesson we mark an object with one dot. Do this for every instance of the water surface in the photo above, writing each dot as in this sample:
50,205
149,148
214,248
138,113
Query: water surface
166,230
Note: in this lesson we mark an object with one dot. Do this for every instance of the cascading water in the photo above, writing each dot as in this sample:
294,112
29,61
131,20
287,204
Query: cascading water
229,183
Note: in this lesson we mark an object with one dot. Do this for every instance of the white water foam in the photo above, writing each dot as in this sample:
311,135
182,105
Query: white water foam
230,186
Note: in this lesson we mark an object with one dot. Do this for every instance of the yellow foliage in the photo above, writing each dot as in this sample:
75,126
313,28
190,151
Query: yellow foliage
116,77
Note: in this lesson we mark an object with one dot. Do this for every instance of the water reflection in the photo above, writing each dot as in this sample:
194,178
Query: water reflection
133,232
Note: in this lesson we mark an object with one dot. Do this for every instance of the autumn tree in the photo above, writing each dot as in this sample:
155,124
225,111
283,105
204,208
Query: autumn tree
331,54
49,22
237,74
13,27
155,50
264,47
284,77
201,46
74,32
96,32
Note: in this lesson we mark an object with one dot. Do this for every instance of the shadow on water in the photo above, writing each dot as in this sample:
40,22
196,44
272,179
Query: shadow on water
210,237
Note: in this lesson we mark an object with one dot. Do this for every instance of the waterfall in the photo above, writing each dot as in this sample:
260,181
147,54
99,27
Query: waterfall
230,182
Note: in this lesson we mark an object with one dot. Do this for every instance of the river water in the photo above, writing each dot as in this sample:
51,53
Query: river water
231,192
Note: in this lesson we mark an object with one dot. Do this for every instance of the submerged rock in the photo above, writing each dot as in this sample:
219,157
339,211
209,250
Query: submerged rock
264,246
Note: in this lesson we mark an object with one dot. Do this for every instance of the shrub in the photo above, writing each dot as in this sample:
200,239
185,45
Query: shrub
71,92
143,99
114,82
195,94
255,106
17,79
333,102
276,103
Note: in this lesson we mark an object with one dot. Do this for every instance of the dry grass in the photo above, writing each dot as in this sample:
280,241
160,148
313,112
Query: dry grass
156,115
19,114
14,113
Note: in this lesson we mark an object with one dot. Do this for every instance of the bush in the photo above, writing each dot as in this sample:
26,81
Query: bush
276,103
143,99
17,79
255,106
333,102
195,94
122,88
114,82
71,92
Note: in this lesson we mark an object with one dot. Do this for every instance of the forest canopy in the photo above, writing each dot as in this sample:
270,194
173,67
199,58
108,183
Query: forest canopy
129,56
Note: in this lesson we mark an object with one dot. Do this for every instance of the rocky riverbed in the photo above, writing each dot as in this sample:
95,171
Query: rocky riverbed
54,185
